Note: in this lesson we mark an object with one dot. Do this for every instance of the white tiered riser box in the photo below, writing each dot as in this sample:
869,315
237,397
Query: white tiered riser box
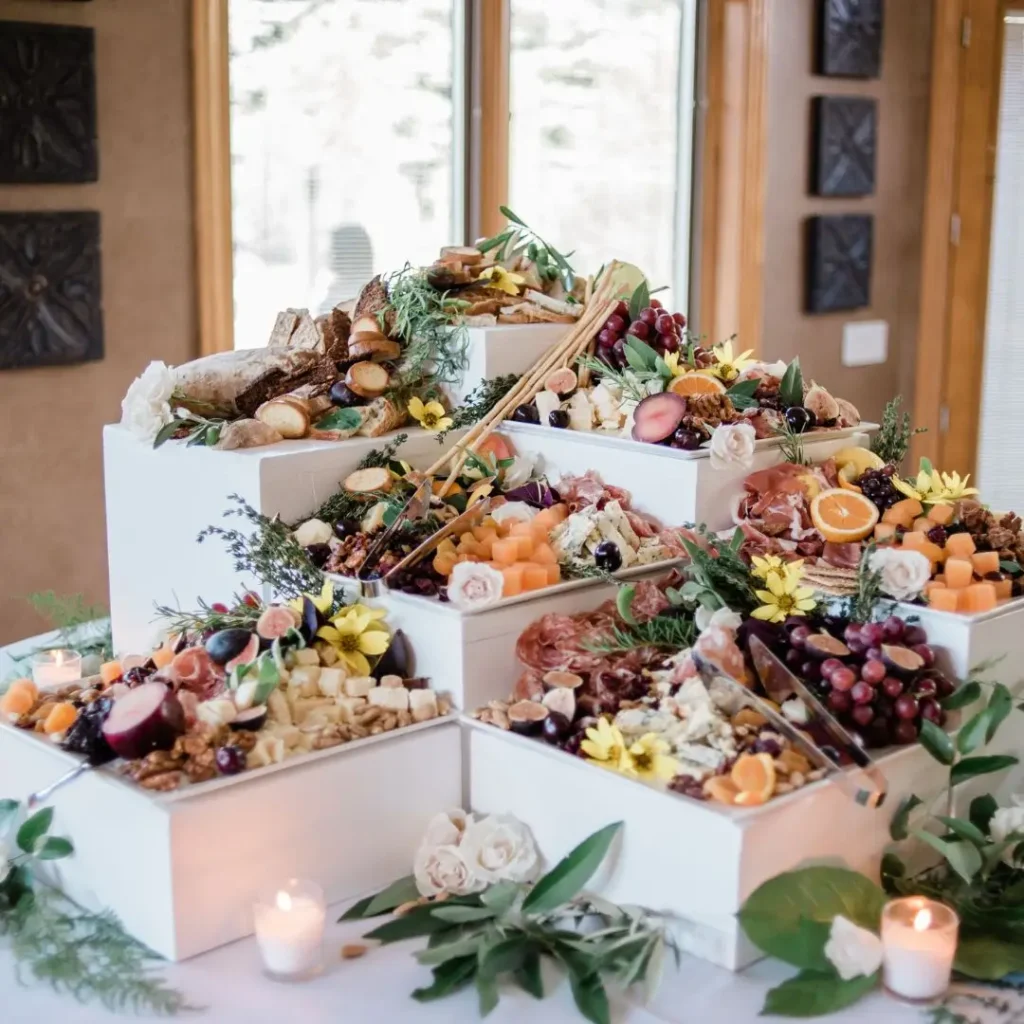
675,486
696,860
473,656
158,500
181,870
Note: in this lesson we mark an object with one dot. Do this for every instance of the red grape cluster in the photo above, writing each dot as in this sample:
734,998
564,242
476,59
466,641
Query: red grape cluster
880,682
878,486
654,325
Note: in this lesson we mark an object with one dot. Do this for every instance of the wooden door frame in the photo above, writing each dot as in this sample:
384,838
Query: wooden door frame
966,71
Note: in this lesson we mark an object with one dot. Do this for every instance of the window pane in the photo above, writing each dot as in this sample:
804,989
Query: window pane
595,120
341,148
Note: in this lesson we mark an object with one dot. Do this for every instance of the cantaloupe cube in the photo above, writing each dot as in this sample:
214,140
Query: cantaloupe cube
485,533
933,585
60,719
959,573
940,514
903,513
554,572
109,671
939,578
944,599
885,531
535,576
163,656
985,562
915,540
485,547
447,545
524,547
466,557
505,526
978,597
923,524
560,511
505,552
18,699
444,562
524,529
932,552
1004,589
513,580
541,533
551,517
960,545
544,555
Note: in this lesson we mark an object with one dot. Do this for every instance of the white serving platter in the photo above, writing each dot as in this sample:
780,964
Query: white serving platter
181,870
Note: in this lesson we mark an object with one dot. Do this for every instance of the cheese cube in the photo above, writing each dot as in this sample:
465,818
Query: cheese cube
306,679
390,682
328,655
332,682
349,706
358,686
423,704
389,697
279,707
306,656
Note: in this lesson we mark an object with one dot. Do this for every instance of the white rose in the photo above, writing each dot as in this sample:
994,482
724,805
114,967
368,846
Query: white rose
439,869
724,618
513,510
904,571
313,531
1004,823
500,848
474,585
519,472
853,950
446,828
147,404
732,446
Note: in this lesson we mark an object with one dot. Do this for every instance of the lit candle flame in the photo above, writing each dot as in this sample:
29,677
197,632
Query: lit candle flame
922,920
284,901
59,659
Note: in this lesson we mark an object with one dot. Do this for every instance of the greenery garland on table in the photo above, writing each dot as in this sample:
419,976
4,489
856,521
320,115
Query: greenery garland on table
981,876
56,942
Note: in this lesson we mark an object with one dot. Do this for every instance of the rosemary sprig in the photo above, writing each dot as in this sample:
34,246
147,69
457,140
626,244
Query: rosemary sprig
587,571
892,442
479,402
520,238
352,504
268,551
791,444
632,383
672,632
862,606
207,619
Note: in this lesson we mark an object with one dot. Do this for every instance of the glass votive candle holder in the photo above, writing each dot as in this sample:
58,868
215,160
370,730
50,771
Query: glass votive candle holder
56,668
289,925
919,938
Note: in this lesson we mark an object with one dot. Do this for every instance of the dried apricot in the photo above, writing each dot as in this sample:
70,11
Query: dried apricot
755,774
722,789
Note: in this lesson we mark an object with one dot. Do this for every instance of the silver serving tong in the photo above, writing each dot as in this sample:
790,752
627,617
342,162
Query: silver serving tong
415,508
864,783
35,799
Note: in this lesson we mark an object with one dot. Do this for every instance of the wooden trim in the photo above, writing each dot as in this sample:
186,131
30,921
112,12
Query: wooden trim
936,221
492,19
711,166
755,138
212,119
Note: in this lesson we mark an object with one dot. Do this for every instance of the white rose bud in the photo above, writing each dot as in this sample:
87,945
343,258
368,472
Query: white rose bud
500,848
446,828
147,403
904,572
732,446
439,869
1005,822
474,585
853,950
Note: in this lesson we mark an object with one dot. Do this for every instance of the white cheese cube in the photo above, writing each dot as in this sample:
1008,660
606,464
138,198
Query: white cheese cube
390,682
547,402
331,682
423,705
358,686
349,706
306,679
306,656
279,708
389,697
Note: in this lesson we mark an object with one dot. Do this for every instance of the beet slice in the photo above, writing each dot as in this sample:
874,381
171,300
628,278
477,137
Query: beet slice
658,417
145,719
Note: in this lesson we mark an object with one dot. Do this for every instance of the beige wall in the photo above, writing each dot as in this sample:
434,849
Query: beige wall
52,533
902,94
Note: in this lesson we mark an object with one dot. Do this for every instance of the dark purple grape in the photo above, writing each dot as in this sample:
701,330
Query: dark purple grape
905,732
669,343
852,633
794,659
318,554
615,323
798,637
863,714
230,760
937,535
607,337
872,671
811,670
679,319
558,418
340,395
873,634
829,666
862,693
346,528
892,686
914,635
607,556
906,707
526,413
767,746
932,710
649,316
639,330
873,654
427,587
843,679
945,685
799,419
666,325
926,653
926,688
839,700
622,311
857,646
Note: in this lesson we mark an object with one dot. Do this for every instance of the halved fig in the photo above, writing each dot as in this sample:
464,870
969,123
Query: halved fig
902,659
526,716
566,679
658,417
561,699
561,382
274,622
368,380
145,719
227,644
246,655
251,719
821,645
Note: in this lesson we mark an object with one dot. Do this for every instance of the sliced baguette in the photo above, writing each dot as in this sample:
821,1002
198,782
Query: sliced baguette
376,479
288,416
366,379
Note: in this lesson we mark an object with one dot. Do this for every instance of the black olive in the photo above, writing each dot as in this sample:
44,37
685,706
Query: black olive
558,418
318,554
341,395
526,414
799,419
555,727
607,556
345,528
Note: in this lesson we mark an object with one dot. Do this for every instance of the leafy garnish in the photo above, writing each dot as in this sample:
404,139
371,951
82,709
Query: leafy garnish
791,388
479,402
892,442
741,394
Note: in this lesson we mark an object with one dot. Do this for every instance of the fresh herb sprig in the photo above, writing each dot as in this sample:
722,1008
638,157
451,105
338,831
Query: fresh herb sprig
716,575
80,626
868,601
267,551
791,445
206,619
892,442
353,504
667,632
479,402
195,429
519,238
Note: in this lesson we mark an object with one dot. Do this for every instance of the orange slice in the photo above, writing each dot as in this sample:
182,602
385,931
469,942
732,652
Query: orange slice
696,384
754,777
847,475
843,516
722,789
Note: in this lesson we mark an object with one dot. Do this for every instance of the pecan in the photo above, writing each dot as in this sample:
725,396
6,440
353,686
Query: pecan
359,732
389,721
368,715
327,739
376,729
404,719
162,782
244,739
199,772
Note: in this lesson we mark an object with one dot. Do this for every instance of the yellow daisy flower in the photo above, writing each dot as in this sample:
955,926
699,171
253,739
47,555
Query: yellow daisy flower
504,280
651,761
355,633
431,416
672,362
762,568
606,747
482,490
930,487
784,597
727,365
323,603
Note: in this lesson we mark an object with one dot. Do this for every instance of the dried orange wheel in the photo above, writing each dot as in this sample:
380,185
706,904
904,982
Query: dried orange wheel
754,776
842,516
722,789
696,384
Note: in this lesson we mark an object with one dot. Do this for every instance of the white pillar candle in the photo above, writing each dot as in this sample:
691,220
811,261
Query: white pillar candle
289,927
53,669
919,943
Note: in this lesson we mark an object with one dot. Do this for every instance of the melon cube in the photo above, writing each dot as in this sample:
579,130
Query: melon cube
932,551
444,562
505,552
551,517
933,585
554,572
944,599
885,531
524,547
513,580
109,671
466,557
486,547
940,514
505,526
960,545
485,533
923,524
535,576
521,529
18,699
985,562
978,597
903,513
959,573
541,533
915,540
939,578
1004,589
543,554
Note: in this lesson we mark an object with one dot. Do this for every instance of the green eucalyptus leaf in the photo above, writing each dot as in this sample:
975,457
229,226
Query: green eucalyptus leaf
448,978
507,955
640,299
8,812
500,896
591,998
774,916
358,909
1000,704
898,827
624,603
212,434
410,926
963,829
528,975
982,810
54,848
988,958
443,948
662,368
487,993
565,880
791,388
462,915
962,696
33,829
814,994
970,767
973,732
403,890
1010,565
963,858
937,742
166,432
506,212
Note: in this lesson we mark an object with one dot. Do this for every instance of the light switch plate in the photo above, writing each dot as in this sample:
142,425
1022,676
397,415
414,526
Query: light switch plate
865,342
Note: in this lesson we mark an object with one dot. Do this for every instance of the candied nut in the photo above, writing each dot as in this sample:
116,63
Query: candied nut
376,729
389,721
199,773
42,710
327,739
816,775
748,717
478,713
25,721
244,739
368,715
794,760
359,732
353,951
498,705
88,696
783,787
162,782
796,779
501,720
781,767
404,719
